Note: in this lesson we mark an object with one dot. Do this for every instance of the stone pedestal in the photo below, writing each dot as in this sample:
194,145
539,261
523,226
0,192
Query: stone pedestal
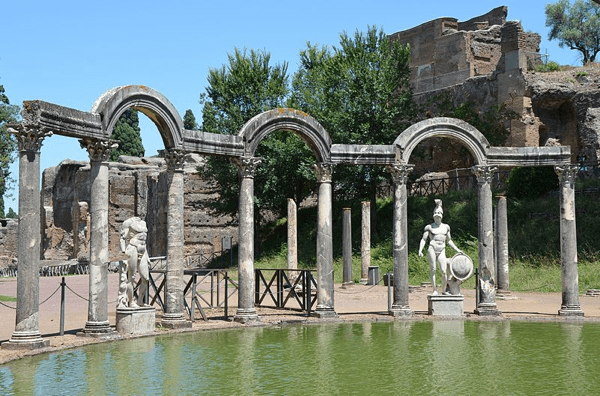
140,320
449,306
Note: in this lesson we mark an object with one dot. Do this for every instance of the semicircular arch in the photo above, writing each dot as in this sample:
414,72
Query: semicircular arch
451,128
113,103
309,130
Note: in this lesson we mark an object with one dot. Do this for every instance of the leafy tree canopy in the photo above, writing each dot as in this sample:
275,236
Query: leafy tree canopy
576,26
249,85
8,146
127,132
359,91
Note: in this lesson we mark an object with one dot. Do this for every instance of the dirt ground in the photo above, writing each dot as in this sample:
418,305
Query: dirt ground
355,303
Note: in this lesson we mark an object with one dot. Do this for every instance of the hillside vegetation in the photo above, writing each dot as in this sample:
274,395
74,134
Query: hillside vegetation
534,238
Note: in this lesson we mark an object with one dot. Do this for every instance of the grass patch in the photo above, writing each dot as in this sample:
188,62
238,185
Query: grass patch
7,298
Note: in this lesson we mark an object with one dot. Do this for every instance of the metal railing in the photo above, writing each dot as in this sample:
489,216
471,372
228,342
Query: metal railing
286,286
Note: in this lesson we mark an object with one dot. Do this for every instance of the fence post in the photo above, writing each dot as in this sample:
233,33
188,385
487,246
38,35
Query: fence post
226,297
62,306
307,291
389,287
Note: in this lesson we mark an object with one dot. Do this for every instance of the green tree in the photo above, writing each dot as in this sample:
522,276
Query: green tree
360,93
189,120
8,113
127,132
576,26
247,86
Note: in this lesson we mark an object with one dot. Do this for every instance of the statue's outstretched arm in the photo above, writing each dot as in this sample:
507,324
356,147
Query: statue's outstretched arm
422,243
452,245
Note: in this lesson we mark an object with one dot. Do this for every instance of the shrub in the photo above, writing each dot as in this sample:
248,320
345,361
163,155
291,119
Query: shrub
531,182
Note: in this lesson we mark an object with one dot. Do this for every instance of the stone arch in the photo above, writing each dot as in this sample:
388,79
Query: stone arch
112,104
451,128
309,130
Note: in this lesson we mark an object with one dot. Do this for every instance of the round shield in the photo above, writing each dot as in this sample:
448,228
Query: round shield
461,266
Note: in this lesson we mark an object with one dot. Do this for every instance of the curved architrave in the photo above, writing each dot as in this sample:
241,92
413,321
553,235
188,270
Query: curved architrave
451,128
309,130
113,103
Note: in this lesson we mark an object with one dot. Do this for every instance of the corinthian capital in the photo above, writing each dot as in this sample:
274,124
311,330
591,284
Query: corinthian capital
98,149
29,136
175,158
323,170
247,165
567,173
400,172
484,173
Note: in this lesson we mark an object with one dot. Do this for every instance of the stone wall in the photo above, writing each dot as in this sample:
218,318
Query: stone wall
137,187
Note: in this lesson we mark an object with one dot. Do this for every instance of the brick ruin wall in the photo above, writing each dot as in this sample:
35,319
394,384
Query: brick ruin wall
137,187
488,61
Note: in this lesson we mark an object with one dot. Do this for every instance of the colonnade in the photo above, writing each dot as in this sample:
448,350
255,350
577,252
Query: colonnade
30,136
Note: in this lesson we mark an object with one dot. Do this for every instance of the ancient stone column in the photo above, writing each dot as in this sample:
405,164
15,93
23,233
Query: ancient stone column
97,323
502,245
27,330
173,315
487,282
325,308
292,237
400,306
347,246
246,311
365,247
568,241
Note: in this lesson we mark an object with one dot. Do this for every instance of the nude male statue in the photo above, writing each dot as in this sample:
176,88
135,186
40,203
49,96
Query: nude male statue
438,234
133,244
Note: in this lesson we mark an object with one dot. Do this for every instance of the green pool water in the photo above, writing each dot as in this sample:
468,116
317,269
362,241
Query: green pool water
396,358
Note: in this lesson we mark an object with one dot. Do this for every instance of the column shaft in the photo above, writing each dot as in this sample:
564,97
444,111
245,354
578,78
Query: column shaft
246,311
98,276
400,306
487,282
292,236
325,307
568,242
347,246
27,331
174,284
365,248
502,244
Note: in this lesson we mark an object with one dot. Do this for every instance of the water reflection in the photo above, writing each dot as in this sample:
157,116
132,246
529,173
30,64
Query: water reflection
409,357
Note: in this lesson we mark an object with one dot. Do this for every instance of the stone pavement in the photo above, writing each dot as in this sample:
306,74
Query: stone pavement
354,303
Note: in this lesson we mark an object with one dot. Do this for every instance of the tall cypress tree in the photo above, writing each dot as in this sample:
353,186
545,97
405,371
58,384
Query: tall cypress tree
127,132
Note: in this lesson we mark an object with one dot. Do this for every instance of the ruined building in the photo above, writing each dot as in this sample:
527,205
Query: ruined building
489,61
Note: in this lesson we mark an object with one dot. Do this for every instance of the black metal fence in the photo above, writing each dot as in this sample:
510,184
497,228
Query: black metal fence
285,288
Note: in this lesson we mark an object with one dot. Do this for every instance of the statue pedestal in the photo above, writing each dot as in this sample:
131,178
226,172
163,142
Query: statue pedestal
140,320
441,305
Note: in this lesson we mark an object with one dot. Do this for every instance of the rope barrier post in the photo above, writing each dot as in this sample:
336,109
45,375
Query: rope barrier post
226,297
62,306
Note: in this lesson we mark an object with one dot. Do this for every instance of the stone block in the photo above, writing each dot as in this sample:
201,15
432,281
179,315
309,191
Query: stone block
449,306
136,320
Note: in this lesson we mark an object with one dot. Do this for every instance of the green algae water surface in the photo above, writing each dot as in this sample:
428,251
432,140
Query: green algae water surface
396,358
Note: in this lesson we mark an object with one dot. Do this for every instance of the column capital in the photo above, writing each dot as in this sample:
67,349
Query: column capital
98,149
175,158
247,165
567,173
323,171
400,172
29,135
484,173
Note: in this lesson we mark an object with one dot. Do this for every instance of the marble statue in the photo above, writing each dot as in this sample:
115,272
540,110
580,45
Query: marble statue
438,234
133,244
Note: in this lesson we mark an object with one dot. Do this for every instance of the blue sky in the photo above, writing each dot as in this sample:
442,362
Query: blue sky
70,52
